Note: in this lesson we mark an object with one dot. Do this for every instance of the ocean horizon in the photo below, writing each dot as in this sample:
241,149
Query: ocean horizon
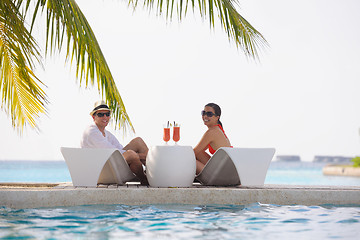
288,173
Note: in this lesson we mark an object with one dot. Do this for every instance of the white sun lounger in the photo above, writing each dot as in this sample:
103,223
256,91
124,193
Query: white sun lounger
237,166
91,166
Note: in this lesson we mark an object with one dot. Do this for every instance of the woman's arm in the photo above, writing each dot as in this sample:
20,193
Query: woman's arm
201,156
201,147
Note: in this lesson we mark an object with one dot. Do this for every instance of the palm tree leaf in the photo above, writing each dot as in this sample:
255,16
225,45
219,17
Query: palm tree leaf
22,96
66,21
236,26
67,26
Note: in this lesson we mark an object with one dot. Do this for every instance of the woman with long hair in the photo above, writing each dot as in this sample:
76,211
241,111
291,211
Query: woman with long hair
213,138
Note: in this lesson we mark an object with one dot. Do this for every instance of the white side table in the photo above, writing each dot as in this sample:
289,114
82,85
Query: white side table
170,166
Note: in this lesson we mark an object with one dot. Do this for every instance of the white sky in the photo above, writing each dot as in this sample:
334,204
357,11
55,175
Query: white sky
302,98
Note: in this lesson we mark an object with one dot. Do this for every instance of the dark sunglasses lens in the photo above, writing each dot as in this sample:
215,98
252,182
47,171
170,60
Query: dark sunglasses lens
209,114
102,114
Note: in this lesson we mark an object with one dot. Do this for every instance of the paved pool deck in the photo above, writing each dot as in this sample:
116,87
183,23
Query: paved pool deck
33,195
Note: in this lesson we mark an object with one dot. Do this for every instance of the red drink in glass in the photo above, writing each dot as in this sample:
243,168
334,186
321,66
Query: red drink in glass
176,134
166,136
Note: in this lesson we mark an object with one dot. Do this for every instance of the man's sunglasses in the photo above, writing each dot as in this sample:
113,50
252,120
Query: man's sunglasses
209,114
102,114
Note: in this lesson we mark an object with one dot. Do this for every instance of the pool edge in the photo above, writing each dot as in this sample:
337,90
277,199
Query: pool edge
64,194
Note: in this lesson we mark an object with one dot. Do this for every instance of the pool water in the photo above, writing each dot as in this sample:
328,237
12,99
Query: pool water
173,221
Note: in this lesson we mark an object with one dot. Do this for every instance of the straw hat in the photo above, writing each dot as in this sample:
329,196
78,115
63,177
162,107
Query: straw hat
100,105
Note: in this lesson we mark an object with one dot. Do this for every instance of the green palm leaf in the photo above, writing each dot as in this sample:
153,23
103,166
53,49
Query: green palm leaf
66,21
22,96
67,26
237,27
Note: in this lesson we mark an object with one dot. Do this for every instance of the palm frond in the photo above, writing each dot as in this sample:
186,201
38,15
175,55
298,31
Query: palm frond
238,29
65,21
21,94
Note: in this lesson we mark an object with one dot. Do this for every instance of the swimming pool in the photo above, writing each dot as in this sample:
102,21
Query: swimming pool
174,221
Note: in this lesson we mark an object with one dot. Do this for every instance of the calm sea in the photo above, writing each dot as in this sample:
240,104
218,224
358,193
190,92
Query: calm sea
293,173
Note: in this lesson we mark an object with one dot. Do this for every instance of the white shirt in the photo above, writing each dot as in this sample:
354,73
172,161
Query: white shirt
93,138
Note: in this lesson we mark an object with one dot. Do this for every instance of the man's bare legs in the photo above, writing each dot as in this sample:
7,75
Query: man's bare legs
132,158
135,156
139,146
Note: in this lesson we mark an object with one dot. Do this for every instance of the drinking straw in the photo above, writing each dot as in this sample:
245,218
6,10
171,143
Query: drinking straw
168,124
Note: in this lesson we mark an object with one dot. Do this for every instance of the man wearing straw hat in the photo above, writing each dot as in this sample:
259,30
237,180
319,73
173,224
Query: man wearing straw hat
96,136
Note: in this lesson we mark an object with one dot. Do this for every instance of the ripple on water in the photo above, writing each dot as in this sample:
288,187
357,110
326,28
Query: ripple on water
182,222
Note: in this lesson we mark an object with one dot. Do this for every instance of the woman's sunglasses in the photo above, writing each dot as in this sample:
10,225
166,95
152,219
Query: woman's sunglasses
209,114
102,114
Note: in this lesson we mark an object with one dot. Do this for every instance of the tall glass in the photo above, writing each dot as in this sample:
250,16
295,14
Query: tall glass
176,134
166,136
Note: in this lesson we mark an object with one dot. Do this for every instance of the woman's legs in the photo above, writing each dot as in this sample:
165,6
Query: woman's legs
201,159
